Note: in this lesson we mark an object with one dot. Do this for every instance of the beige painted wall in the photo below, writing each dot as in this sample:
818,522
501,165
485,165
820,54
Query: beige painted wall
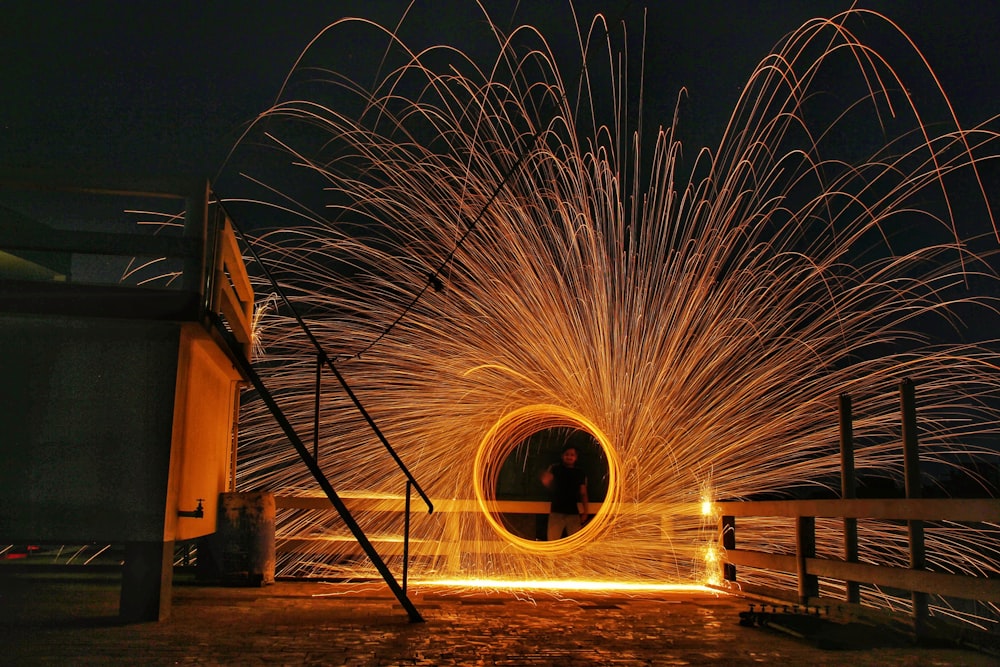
203,433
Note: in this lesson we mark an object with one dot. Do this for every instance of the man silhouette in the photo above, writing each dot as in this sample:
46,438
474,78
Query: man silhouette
568,487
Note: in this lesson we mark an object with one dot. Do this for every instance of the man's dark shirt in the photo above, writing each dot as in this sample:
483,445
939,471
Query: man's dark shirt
566,483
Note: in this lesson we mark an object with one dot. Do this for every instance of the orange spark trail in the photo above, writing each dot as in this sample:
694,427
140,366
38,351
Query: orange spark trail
699,315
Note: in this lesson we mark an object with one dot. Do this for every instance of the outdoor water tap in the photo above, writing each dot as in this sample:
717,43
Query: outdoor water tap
196,513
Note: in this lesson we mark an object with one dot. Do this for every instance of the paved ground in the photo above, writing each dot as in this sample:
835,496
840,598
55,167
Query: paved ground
52,618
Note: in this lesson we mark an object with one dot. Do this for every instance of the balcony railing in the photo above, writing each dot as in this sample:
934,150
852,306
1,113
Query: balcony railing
136,249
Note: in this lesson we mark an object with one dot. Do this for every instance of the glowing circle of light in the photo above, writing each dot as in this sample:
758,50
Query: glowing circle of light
510,431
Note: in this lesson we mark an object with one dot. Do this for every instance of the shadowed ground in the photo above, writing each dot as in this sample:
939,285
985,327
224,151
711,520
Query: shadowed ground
71,618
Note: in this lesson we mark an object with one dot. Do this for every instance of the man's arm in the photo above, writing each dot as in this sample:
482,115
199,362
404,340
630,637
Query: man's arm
547,477
583,501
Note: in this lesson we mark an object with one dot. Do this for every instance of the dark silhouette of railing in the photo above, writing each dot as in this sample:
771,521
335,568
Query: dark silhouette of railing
312,459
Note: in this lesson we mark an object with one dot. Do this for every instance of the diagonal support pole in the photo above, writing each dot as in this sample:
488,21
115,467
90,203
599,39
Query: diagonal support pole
322,358
247,369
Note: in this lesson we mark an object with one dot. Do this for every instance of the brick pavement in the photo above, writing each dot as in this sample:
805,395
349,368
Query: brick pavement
72,619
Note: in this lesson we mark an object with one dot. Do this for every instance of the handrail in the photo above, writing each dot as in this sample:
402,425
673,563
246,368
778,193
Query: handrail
324,358
236,300
248,371
926,509
125,185
68,240
106,293
231,292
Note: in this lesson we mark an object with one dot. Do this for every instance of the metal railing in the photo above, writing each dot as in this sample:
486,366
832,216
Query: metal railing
50,229
192,259
312,459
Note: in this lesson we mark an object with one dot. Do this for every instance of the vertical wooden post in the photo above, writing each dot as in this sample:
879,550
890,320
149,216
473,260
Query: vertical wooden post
728,530
805,547
911,470
848,489
452,542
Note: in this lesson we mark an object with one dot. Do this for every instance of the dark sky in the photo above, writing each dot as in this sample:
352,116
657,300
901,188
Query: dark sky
166,87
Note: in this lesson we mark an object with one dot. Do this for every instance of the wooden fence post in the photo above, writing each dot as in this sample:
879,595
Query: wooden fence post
805,547
728,530
911,470
848,489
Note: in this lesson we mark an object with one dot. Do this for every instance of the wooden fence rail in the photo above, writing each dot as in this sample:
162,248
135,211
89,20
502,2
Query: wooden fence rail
808,568
450,511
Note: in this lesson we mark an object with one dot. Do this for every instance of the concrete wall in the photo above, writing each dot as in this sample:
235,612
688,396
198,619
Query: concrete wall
89,411
86,407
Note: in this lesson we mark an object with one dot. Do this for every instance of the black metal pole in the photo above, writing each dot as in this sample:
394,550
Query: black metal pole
319,379
406,535
378,432
248,372
322,355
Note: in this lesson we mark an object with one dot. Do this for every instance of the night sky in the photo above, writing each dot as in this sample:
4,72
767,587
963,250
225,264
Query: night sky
166,88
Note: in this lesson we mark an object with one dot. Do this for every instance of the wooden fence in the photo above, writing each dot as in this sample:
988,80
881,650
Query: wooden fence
913,510
808,568
451,545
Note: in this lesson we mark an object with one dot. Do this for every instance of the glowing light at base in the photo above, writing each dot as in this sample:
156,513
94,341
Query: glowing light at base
475,235
567,585
529,589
